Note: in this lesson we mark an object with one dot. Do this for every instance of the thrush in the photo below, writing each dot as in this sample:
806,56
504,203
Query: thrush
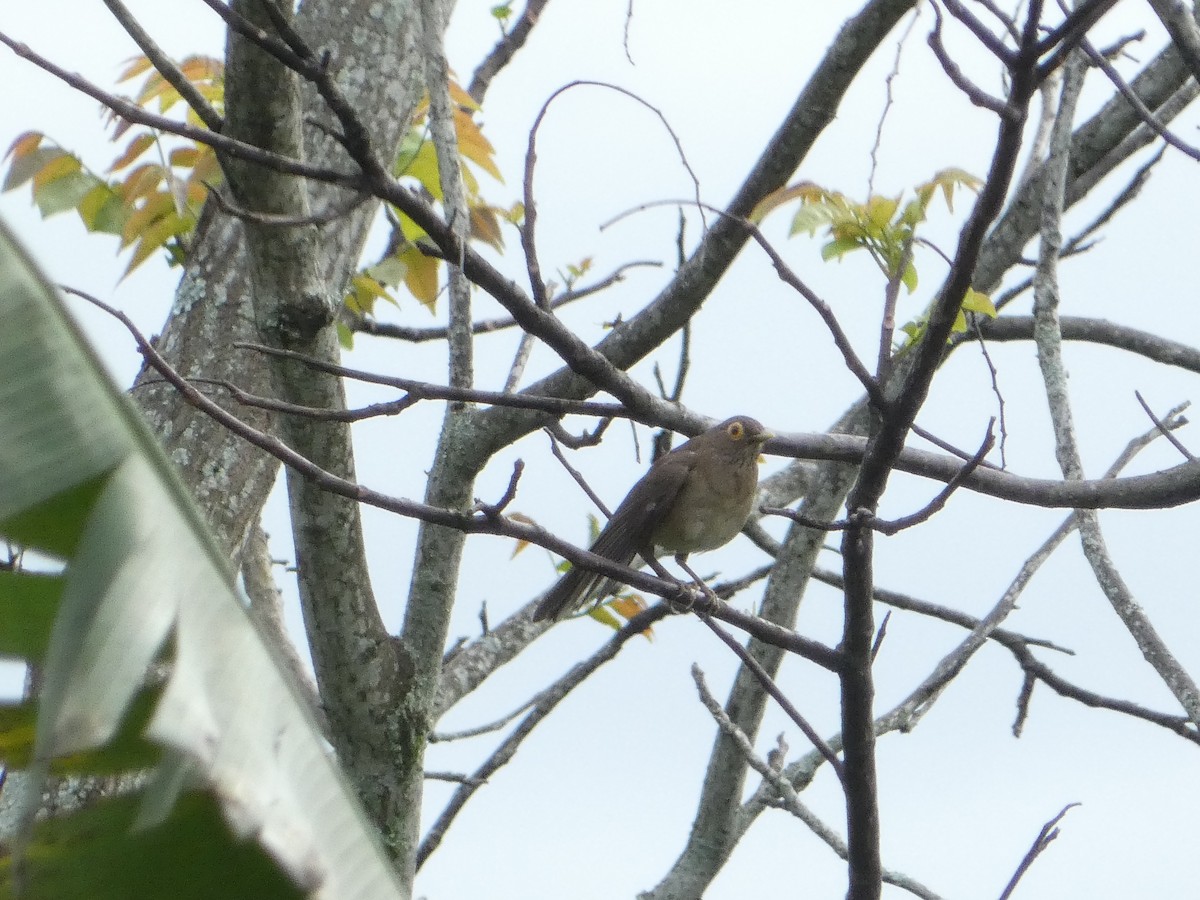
695,498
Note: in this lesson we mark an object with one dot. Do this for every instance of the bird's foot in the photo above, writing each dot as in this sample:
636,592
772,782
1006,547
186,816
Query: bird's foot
685,602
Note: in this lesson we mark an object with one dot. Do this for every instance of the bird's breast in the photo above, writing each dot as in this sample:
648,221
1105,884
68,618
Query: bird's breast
708,513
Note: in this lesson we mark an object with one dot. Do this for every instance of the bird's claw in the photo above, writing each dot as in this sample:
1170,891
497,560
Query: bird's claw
692,593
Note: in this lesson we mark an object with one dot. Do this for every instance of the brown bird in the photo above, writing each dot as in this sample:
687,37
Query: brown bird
695,498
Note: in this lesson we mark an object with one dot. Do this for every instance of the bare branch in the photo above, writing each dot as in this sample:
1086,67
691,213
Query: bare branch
1049,342
1048,833
506,48
332,214
1178,19
773,776
1163,428
542,705
486,326
772,688
1136,102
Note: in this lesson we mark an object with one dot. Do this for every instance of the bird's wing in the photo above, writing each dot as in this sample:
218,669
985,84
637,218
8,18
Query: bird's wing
627,533
647,504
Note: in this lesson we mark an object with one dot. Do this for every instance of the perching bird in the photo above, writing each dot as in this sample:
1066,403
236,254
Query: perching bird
697,497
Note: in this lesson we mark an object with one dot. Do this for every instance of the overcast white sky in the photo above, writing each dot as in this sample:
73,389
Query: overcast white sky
599,800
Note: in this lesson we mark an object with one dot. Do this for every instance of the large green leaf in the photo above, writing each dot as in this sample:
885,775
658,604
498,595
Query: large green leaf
28,607
98,853
82,480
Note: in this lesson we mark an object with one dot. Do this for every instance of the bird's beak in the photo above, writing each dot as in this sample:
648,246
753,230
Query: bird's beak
762,439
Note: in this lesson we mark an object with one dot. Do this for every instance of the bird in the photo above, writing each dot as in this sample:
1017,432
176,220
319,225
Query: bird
695,498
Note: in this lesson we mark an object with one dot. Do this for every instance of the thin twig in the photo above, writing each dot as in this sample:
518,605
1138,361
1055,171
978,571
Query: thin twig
936,505
486,326
494,510
455,777
1048,833
1162,427
441,737
577,475
976,95
332,213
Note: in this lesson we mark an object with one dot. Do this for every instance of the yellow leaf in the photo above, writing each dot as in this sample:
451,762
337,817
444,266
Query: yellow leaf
133,68
55,169
101,209
423,166
207,168
976,302
461,97
25,143
422,276
485,226
805,191
629,605
474,146
135,148
202,68
142,181
184,157
839,247
143,219
197,193
809,217
526,520
881,209
155,236
364,291
411,230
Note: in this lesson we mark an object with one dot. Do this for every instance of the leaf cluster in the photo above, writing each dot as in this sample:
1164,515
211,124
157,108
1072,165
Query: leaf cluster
884,227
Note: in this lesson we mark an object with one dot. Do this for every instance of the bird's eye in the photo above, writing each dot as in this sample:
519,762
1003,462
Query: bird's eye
736,431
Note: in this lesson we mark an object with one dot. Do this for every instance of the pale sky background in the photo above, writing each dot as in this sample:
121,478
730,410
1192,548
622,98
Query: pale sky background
598,802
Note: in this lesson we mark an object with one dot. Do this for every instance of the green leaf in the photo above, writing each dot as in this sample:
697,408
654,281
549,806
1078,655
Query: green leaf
839,247
909,278
54,524
28,606
390,270
880,210
128,751
809,218
142,572
102,209
604,616
64,193
98,854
